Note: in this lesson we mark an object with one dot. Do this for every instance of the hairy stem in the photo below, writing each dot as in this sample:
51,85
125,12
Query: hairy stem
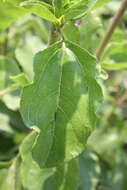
111,28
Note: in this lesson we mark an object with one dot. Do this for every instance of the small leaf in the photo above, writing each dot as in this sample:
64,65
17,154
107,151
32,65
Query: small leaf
58,5
40,9
79,9
20,79
26,50
68,30
114,57
116,51
111,65
8,68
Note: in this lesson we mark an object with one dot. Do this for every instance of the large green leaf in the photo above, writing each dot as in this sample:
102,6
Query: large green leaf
65,121
50,90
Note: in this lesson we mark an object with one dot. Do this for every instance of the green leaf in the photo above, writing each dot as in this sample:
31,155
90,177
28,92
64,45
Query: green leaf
89,66
65,177
15,2
3,174
14,118
114,57
30,172
20,79
13,179
89,170
111,65
9,12
40,9
58,5
110,139
68,30
78,9
88,29
116,51
25,52
8,68
113,178
5,164
55,104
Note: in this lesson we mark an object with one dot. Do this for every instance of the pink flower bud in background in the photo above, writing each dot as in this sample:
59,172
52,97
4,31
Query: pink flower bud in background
77,22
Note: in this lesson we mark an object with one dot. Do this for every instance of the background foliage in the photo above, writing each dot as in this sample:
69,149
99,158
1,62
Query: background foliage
103,164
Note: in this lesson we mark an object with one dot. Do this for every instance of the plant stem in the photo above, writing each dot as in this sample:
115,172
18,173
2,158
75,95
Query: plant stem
4,44
53,36
9,89
114,23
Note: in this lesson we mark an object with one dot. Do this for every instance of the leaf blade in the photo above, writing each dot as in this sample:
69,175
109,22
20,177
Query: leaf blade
40,9
63,128
79,9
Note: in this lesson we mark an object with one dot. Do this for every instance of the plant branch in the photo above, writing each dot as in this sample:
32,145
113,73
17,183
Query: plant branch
114,23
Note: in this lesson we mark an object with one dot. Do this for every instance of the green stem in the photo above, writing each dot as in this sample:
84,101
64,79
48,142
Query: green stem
4,44
53,36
